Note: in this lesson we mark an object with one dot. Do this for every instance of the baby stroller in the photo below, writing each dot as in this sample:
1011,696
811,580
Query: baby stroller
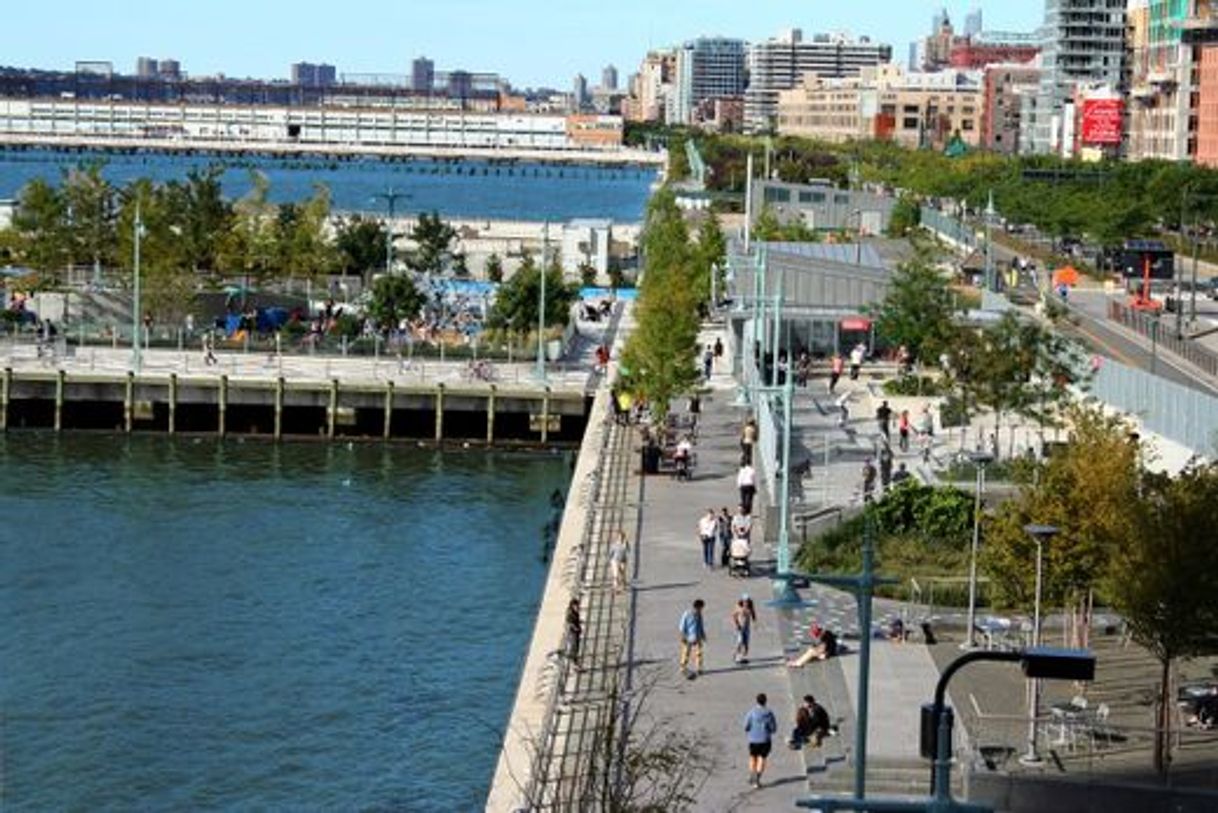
738,558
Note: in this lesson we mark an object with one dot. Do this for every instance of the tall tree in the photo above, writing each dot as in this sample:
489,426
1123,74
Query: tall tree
394,298
518,300
1162,580
494,268
90,201
249,246
204,214
433,239
918,310
41,220
167,283
711,254
360,243
1090,492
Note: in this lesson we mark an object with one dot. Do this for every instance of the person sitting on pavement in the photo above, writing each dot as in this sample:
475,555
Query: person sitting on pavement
824,646
901,474
896,631
811,724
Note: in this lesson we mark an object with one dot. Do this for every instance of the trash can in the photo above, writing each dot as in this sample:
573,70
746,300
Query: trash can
651,459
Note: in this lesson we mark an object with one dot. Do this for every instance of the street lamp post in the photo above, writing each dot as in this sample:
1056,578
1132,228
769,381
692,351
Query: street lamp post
541,310
989,243
980,460
1042,534
391,196
137,360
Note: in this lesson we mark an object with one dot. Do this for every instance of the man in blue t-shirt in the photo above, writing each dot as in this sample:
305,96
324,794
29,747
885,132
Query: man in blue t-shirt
759,726
693,636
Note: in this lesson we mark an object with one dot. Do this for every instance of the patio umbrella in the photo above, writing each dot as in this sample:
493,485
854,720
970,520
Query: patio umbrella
1065,276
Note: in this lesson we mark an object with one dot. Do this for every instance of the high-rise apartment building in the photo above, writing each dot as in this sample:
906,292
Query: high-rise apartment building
579,92
1004,86
422,75
780,63
707,68
1161,79
310,75
1200,33
1083,45
170,70
973,23
146,67
647,87
609,78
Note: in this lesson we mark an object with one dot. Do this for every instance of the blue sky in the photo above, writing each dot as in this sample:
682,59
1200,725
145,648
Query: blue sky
530,41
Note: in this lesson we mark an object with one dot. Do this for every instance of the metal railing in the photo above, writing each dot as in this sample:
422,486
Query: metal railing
948,227
1152,328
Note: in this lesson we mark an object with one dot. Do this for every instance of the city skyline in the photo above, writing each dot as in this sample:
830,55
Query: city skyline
547,47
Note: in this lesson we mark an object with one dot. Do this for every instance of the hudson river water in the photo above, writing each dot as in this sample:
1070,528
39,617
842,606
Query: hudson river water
199,625
461,189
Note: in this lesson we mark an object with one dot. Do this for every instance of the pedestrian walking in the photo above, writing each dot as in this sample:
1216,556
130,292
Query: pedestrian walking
759,728
843,411
903,430
885,466
883,417
856,360
748,438
575,630
742,524
744,616
868,479
619,555
724,531
708,361
693,638
718,349
836,365
708,531
746,481
209,348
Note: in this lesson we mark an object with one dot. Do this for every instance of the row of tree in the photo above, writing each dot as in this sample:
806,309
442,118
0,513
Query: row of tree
1138,541
191,231
1107,202
659,361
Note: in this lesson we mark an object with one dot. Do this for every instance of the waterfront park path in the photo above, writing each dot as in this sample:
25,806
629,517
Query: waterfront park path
709,711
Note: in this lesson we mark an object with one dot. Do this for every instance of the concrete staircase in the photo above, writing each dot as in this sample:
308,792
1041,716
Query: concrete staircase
100,307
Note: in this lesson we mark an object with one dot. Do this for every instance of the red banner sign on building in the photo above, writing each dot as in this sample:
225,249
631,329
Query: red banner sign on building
1101,121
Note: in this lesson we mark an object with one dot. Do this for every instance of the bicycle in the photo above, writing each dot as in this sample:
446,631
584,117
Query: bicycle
481,370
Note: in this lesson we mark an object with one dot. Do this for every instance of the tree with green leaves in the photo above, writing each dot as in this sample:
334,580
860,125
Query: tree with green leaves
1089,491
711,257
90,201
1161,580
205,216
302,244
587,274
659,360
394,298
167,285
768,228
433,240
250,245
905,217
41,218
517,301
360,245
494,268
918,310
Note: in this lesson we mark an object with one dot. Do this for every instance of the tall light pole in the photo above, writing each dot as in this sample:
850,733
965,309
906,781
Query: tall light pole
989,243
980,460
541,310
391,197
137,359
1042,534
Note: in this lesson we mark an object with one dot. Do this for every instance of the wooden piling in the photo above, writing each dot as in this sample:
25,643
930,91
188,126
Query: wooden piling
59,388
388,428
6,388
545,416
222,404
439,413
490,416
173,403
280,386
129,403
332,412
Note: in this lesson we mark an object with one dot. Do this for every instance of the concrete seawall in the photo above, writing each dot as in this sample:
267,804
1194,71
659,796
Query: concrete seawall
533,695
